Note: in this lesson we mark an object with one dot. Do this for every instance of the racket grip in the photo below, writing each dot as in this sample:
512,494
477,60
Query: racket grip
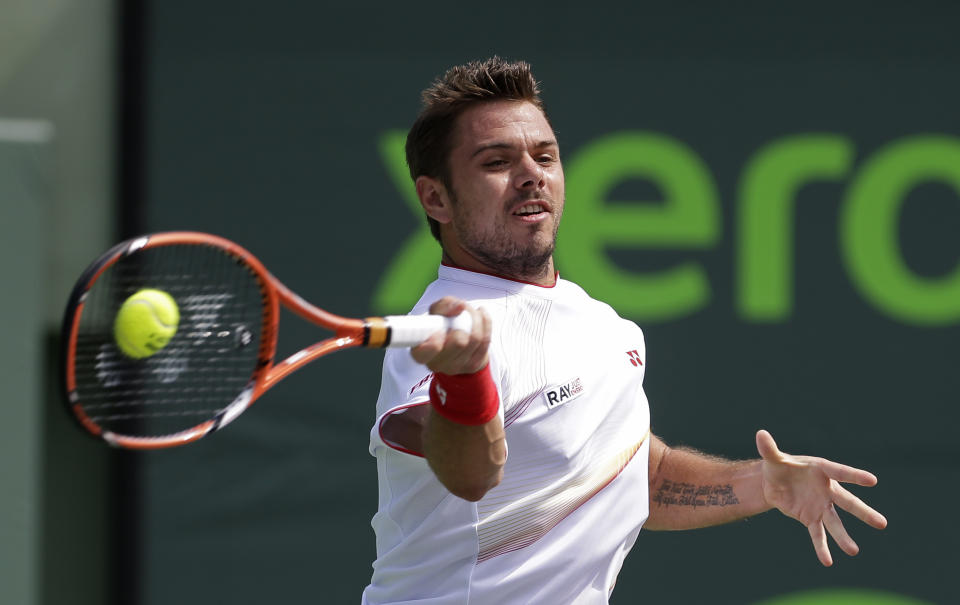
411,330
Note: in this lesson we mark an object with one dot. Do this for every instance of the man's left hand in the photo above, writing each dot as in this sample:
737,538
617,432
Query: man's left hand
808,489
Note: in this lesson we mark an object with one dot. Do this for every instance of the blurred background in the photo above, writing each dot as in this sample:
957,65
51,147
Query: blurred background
769,189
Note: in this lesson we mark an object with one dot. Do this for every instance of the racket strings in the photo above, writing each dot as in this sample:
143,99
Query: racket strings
207,363
200,414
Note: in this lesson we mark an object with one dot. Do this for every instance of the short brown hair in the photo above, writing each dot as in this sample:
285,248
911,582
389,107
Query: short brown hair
429,141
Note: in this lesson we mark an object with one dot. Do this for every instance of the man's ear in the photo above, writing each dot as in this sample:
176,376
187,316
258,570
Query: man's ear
434,199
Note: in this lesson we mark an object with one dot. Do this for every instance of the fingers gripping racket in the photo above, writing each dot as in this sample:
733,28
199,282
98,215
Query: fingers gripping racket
220,358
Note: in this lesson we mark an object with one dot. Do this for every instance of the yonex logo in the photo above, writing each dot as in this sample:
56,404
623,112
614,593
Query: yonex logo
634,358
560,395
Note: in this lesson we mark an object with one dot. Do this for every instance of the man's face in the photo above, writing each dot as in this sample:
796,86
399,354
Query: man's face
506,193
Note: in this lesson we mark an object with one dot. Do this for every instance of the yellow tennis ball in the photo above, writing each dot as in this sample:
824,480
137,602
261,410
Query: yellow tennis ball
145,323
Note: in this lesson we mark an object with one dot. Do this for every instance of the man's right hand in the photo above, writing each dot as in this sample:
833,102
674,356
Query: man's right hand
456,351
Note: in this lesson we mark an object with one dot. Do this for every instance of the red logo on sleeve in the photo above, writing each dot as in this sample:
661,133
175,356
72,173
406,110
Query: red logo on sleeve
425,380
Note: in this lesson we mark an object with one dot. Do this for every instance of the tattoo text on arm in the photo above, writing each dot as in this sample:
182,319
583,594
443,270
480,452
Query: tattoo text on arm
677,493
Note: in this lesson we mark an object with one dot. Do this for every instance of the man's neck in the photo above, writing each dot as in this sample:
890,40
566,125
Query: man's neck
547,277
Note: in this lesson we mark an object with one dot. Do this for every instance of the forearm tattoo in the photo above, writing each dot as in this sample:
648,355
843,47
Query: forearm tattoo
676,493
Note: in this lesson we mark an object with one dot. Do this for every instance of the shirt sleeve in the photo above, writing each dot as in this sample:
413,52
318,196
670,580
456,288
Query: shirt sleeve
405,384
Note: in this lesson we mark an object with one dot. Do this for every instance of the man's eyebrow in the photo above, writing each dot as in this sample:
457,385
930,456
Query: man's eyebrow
487,146
503,145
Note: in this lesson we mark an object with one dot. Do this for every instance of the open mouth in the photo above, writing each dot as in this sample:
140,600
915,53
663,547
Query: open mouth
530,211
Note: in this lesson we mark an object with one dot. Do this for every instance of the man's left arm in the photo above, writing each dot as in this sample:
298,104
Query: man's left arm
689,489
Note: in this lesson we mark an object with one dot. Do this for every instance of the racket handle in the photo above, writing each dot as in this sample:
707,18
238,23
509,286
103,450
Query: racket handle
411,330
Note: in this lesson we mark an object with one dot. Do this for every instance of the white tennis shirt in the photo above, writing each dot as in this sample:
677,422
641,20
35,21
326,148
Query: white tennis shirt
574,493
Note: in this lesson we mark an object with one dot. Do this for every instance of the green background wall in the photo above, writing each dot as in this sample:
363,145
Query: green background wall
56,212
263,123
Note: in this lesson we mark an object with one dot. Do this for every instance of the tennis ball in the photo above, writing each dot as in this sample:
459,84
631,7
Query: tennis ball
145,323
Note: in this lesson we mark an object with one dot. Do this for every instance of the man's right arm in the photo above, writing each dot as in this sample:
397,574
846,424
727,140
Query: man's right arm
466,456
468,460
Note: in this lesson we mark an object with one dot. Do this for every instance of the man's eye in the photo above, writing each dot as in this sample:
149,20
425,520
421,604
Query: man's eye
495,163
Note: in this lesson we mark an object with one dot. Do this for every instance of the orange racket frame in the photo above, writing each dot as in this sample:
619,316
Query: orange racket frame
373,332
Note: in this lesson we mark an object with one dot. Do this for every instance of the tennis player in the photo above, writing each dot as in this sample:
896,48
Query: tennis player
516,463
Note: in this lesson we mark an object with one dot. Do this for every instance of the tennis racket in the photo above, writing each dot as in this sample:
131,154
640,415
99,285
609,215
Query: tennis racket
221,358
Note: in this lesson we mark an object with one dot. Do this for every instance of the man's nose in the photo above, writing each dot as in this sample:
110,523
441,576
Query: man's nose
529,174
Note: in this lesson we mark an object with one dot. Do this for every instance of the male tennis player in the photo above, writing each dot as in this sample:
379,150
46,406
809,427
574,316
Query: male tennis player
516,463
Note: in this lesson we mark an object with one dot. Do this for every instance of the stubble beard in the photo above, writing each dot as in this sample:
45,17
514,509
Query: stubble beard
528,261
